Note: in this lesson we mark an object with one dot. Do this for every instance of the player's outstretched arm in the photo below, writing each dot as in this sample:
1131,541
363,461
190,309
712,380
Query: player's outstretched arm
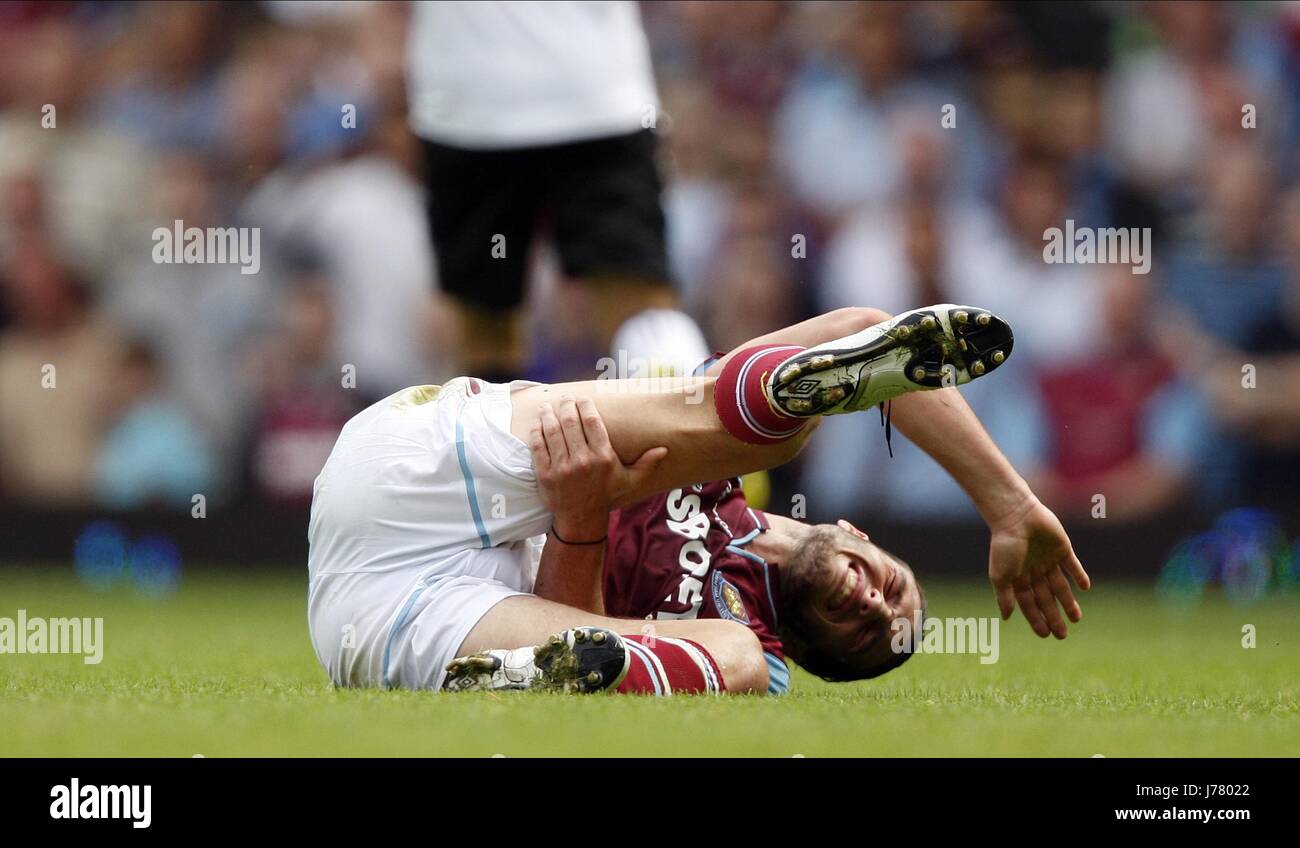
1030,555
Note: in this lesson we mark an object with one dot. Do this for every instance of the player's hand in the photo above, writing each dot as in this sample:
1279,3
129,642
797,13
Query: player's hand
579,476
1030,557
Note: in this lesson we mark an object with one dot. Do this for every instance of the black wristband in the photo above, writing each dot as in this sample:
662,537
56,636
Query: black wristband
560,538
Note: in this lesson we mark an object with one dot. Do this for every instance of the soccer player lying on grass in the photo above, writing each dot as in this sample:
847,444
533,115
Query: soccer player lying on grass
428,527
701,552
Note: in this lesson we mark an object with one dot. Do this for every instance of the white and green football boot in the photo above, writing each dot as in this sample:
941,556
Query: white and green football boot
927,348
583,659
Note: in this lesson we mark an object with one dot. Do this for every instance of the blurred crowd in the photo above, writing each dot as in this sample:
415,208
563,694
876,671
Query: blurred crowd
817,154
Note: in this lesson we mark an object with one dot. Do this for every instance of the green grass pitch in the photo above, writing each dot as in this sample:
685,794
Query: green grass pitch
224,668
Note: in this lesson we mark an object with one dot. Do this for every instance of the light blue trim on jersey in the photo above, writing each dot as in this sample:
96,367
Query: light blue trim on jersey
470,489
735,548
746,554
397,626
778,675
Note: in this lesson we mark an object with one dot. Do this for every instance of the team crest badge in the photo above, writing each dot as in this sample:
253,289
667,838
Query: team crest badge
726,600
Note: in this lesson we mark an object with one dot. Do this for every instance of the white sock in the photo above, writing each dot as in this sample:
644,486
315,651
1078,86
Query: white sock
659,343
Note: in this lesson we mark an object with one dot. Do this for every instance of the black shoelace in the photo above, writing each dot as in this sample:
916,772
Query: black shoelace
886,415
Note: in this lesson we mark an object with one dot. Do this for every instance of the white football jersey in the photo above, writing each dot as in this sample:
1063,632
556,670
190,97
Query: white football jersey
501,75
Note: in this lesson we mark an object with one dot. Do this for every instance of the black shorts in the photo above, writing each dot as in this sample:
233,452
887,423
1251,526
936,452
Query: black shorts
598,201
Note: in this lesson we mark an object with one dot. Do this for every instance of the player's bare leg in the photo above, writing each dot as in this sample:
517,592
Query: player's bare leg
834,363
616,299
643,414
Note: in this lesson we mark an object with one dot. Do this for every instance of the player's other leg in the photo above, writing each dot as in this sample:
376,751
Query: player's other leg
642,414
603,196
483,208
567,649
489,341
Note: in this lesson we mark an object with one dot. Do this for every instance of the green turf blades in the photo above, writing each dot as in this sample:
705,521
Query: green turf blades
225,668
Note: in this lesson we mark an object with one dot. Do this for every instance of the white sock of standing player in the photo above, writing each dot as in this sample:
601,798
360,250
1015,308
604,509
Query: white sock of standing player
659,343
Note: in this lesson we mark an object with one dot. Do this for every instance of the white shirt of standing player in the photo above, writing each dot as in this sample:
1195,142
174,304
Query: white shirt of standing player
500,75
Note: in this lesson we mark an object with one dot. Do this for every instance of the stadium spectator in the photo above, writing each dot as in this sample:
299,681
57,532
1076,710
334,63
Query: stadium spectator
343,191
48,130
55,359
744,53
1120,422
837,130
168,94
1228,278
699,194
302,398
1258,406
752,288
361,214
197,317
1171,103
152,453
1227,269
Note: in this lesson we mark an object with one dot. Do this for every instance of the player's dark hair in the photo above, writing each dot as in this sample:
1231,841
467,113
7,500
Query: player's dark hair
835,668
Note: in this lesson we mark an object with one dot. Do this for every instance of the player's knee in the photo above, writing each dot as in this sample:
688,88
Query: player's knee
739,656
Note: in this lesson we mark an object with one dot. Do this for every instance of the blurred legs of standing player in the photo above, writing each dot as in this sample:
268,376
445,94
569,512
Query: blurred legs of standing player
598,202
534,120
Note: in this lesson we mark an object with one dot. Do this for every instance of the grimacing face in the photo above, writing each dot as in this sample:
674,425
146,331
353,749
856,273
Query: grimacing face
846,592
